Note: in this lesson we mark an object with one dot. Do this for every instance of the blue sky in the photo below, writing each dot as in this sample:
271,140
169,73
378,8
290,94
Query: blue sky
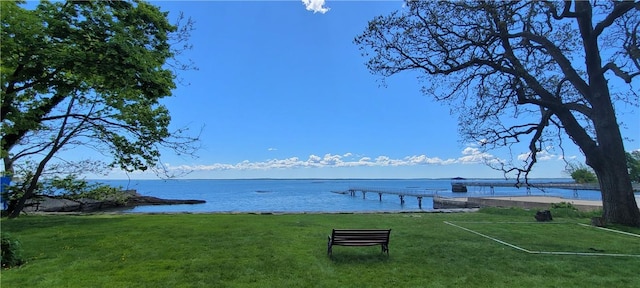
282,92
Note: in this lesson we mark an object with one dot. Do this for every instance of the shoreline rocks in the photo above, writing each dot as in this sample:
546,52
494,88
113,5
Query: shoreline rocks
132,199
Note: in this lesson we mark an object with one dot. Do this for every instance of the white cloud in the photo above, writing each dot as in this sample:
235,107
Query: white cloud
332,160
473,155
314,159
543,155
524,156
470,155
315,6
424,160
272,149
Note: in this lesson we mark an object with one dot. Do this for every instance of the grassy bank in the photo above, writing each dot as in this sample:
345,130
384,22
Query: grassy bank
209,250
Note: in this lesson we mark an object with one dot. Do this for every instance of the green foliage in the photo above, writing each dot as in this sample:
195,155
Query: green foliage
73,188
633,163
21,179
563,205
584,176
104,58
581,173
11,251
567,210
105,192
87,73
69,186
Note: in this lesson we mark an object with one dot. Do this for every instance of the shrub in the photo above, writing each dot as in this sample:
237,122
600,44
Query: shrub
73,188
567,210
583,175
563,205
11,251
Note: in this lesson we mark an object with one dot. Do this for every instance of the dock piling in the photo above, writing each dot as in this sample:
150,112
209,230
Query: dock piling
419,194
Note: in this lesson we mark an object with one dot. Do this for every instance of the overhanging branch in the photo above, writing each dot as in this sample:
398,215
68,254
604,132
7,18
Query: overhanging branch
619,9
627,77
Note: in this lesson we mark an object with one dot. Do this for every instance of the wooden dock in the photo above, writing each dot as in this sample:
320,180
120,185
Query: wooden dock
419,194
433,193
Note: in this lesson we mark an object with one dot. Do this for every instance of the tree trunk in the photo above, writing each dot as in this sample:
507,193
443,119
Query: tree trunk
618,202
16,206
609,161
608,158
8,165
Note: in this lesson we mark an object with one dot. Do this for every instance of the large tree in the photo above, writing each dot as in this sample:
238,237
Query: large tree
91,74
549,65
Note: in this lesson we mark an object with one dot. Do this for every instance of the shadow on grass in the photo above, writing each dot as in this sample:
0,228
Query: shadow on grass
358,258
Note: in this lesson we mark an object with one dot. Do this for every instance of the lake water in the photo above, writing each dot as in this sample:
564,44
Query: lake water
311,195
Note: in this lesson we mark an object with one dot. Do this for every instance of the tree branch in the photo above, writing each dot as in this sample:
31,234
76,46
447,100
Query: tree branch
619,9
627,77
563,62
566,11
36,113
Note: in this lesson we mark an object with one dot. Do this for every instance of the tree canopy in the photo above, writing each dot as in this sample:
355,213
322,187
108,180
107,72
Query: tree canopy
582,174
524,72
88,73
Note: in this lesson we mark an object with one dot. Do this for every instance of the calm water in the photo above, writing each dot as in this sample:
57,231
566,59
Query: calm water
308,195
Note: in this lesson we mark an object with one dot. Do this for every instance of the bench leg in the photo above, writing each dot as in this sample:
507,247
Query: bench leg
385,248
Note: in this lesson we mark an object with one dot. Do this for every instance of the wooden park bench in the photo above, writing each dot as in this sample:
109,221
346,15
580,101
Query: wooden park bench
359,237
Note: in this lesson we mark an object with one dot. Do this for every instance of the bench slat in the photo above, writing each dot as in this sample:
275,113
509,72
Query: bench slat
359,237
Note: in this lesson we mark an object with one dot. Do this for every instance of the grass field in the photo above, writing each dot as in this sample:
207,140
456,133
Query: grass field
549,238
246,250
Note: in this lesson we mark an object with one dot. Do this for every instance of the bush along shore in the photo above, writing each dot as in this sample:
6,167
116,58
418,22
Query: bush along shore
130,198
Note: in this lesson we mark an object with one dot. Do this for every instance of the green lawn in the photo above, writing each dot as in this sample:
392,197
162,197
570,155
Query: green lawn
244,250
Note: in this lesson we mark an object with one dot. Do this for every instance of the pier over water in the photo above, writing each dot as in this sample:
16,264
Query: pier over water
401,193
530,189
